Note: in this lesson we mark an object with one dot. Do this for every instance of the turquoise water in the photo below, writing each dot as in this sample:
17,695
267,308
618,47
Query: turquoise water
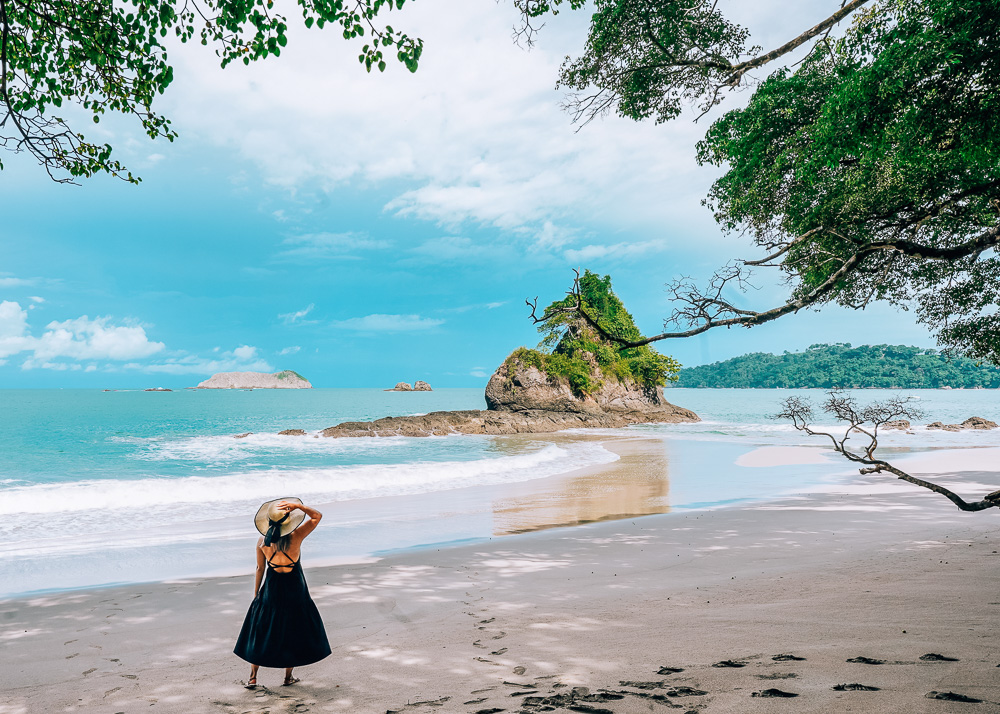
127,486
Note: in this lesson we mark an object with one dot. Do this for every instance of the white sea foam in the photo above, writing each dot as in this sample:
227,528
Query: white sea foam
221,449
81,506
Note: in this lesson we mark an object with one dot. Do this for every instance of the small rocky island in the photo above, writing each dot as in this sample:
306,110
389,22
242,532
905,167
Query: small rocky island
286,379
418,386
576,379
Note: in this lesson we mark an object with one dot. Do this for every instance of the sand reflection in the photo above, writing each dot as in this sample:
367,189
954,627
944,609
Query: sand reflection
637,484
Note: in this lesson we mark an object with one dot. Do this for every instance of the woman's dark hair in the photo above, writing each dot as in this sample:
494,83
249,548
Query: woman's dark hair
283,542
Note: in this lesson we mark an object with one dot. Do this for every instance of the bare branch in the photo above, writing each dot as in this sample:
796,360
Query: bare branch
844,407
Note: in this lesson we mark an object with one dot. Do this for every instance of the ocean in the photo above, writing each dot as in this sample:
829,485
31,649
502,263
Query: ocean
100,488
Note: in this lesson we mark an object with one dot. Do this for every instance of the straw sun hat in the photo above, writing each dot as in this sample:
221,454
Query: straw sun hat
274,524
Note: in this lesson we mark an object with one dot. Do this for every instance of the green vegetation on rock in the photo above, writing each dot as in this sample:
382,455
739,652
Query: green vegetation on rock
286,373
840,365
570,349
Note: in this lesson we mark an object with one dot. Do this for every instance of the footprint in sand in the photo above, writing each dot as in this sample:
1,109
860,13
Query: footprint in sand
487,661
777,693
486,622
478,644
865,660
778,675
112,691
669,670
474,701
75,654
854,687
729,663
499,652
932,657
952,697
90,671
519,670
787,658
500,636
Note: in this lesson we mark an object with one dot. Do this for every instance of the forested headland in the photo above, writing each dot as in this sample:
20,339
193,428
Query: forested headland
841,365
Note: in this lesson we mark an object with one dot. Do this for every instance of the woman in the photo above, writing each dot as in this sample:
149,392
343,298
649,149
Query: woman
283,628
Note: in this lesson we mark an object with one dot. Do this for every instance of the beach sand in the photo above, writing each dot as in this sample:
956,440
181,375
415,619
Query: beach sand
681,611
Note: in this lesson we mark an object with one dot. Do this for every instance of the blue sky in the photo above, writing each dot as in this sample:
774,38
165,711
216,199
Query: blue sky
367,229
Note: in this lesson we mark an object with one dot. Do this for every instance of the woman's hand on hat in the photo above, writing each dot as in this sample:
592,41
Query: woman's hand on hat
287,506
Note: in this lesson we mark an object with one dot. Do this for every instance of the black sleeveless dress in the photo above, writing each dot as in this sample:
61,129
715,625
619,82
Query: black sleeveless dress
283,628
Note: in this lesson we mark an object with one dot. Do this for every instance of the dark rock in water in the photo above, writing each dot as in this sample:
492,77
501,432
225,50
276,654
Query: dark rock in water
900,424
787,658
292,432
945,427
865,660
777,693
855,687
243,436
421,386
494,422
978,423
729,663
952,697
934,657
669,670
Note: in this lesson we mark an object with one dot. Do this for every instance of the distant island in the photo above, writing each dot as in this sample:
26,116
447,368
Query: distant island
841,365
286,379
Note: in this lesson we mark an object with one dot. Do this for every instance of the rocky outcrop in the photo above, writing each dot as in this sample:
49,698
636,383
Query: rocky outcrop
523,400
286,379
970,423
978,423
945,427
517,387
495,422
900,424
421,386
292,432
401,387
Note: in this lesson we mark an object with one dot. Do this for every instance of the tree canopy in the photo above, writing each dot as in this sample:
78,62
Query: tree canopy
841,365
868,171
105,56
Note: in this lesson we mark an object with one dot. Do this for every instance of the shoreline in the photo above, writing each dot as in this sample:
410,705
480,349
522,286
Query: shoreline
827,575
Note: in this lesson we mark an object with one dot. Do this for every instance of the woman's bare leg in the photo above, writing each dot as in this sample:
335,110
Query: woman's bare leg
253,675
289,679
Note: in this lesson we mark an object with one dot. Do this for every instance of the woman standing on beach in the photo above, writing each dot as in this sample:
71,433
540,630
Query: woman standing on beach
283,628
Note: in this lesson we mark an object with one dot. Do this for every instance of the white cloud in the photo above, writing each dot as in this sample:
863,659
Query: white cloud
476,134
77,339
241,359
36,299
245,352
387,323
11,282
327,246
478,372
289,350
290,318
617,250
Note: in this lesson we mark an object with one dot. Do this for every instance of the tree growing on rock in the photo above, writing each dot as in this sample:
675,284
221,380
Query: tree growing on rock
570,348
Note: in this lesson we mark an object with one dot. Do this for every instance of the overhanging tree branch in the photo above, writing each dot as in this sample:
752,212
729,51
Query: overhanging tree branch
707,309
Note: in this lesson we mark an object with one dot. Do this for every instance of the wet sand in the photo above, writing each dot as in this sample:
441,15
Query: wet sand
685,611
